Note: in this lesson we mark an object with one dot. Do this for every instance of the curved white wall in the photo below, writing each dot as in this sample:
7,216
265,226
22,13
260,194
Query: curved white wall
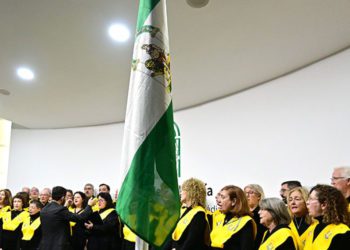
296,127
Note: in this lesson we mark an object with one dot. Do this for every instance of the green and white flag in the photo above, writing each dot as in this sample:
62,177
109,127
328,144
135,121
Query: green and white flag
148,200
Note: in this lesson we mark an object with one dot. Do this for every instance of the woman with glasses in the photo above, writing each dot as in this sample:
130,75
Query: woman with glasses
328,206
274,215
255,194
235,229
301,223
104,230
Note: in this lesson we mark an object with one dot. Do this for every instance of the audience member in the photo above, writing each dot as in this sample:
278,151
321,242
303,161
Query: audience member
255,194
34,193
31,228
302,223
79,234
89,190
26,189
104,188
286,186
55,220
11,225
5,201
45,196
237,229
104,234
341,181
328,206
192,230
274,215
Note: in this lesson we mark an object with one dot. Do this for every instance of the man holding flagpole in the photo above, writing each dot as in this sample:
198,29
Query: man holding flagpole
148,201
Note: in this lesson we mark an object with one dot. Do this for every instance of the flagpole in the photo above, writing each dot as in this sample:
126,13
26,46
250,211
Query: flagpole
149,202
140,244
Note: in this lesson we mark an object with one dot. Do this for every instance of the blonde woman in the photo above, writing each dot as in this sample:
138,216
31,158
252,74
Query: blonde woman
192,230
301,223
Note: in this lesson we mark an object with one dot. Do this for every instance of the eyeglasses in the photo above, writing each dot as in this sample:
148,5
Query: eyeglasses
338,178
295,199
312,199
250,193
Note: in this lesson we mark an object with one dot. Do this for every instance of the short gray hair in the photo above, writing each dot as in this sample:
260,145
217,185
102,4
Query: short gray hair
345,171
48,190
257,189
277,209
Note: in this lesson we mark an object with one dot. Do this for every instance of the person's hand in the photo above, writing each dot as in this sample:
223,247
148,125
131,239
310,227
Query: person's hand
68,203
88,225
92,202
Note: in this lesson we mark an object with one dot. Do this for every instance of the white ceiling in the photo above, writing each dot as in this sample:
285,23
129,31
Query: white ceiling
223,48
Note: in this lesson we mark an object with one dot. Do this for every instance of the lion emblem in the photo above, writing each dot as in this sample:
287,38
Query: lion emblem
159,63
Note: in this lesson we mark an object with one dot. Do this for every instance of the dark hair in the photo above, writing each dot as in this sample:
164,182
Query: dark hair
37,203
107,186
83,196
58,192
19,196
336,205
107,197
292,184
241,207
26,198
69,191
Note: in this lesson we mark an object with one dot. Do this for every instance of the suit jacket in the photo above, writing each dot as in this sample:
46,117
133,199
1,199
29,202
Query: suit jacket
55,226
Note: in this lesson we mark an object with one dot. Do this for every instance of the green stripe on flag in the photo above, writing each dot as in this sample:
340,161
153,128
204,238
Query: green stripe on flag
145,9
149,200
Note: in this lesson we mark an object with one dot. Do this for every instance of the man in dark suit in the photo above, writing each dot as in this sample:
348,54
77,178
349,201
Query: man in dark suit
55,221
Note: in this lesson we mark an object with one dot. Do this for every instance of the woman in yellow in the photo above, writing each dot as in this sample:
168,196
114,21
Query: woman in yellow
104,233
5,201
31,227
11,224
255,194
79,235
329,207
301,223
192,230
274,215
235,228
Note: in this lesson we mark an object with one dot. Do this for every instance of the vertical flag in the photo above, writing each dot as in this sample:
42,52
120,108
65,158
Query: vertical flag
148,201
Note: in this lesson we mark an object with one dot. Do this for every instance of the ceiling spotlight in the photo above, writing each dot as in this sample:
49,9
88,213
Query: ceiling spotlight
25,73
197,3
119,32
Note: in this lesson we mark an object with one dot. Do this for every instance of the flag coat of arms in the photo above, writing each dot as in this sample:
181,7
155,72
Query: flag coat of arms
148,201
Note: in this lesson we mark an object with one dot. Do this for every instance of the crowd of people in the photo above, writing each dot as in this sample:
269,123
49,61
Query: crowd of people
318,218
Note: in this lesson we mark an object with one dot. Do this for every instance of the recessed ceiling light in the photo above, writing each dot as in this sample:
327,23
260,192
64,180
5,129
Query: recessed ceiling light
25,73
119,32
197,3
